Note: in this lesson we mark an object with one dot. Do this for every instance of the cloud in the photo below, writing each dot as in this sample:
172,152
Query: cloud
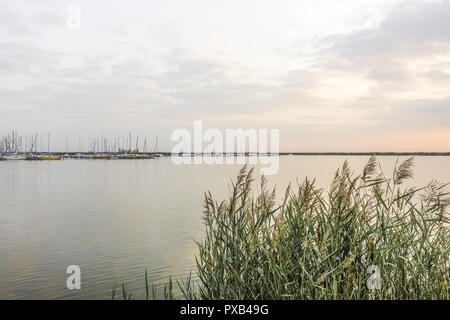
46,19
12,22
22,57
404,63
126,76
411,30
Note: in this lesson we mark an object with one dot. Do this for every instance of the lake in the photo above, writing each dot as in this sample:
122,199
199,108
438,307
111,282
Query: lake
116,218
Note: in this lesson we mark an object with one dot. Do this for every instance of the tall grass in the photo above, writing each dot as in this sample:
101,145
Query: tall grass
326,243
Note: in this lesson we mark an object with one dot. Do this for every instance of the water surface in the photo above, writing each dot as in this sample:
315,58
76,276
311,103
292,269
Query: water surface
116,218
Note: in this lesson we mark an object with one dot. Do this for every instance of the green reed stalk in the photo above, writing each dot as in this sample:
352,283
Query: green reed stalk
365,237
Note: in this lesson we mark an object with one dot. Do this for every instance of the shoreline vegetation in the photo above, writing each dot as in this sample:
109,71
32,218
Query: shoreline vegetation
365,237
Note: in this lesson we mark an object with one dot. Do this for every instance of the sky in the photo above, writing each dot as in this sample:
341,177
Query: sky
356,75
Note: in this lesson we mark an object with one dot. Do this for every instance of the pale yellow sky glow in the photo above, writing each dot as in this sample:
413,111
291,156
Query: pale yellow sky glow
359,75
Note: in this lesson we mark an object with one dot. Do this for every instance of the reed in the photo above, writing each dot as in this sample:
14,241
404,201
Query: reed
367,236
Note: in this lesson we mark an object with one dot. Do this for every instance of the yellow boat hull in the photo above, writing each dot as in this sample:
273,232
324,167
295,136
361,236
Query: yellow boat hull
50,158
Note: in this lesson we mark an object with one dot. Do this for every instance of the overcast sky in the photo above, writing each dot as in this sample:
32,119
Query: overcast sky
356,75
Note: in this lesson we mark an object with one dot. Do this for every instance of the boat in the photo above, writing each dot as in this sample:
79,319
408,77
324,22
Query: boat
50,157
32,157
101,157
127,156
14,156
144,156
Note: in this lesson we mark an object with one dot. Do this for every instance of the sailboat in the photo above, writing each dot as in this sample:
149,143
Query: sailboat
32,156
14,156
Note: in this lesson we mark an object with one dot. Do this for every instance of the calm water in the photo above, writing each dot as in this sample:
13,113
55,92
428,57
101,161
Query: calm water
116,218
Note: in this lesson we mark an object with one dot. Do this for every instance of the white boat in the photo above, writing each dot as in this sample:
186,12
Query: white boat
14,156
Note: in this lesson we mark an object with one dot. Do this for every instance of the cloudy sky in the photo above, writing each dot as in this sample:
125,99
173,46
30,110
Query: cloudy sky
349,75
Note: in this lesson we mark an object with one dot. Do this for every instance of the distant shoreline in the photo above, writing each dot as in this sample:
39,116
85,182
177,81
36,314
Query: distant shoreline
366,153
166,154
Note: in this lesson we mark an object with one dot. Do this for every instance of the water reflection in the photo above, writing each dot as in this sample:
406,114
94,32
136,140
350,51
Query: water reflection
116,218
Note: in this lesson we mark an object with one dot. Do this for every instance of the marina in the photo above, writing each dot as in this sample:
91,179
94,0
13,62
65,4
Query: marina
17,147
